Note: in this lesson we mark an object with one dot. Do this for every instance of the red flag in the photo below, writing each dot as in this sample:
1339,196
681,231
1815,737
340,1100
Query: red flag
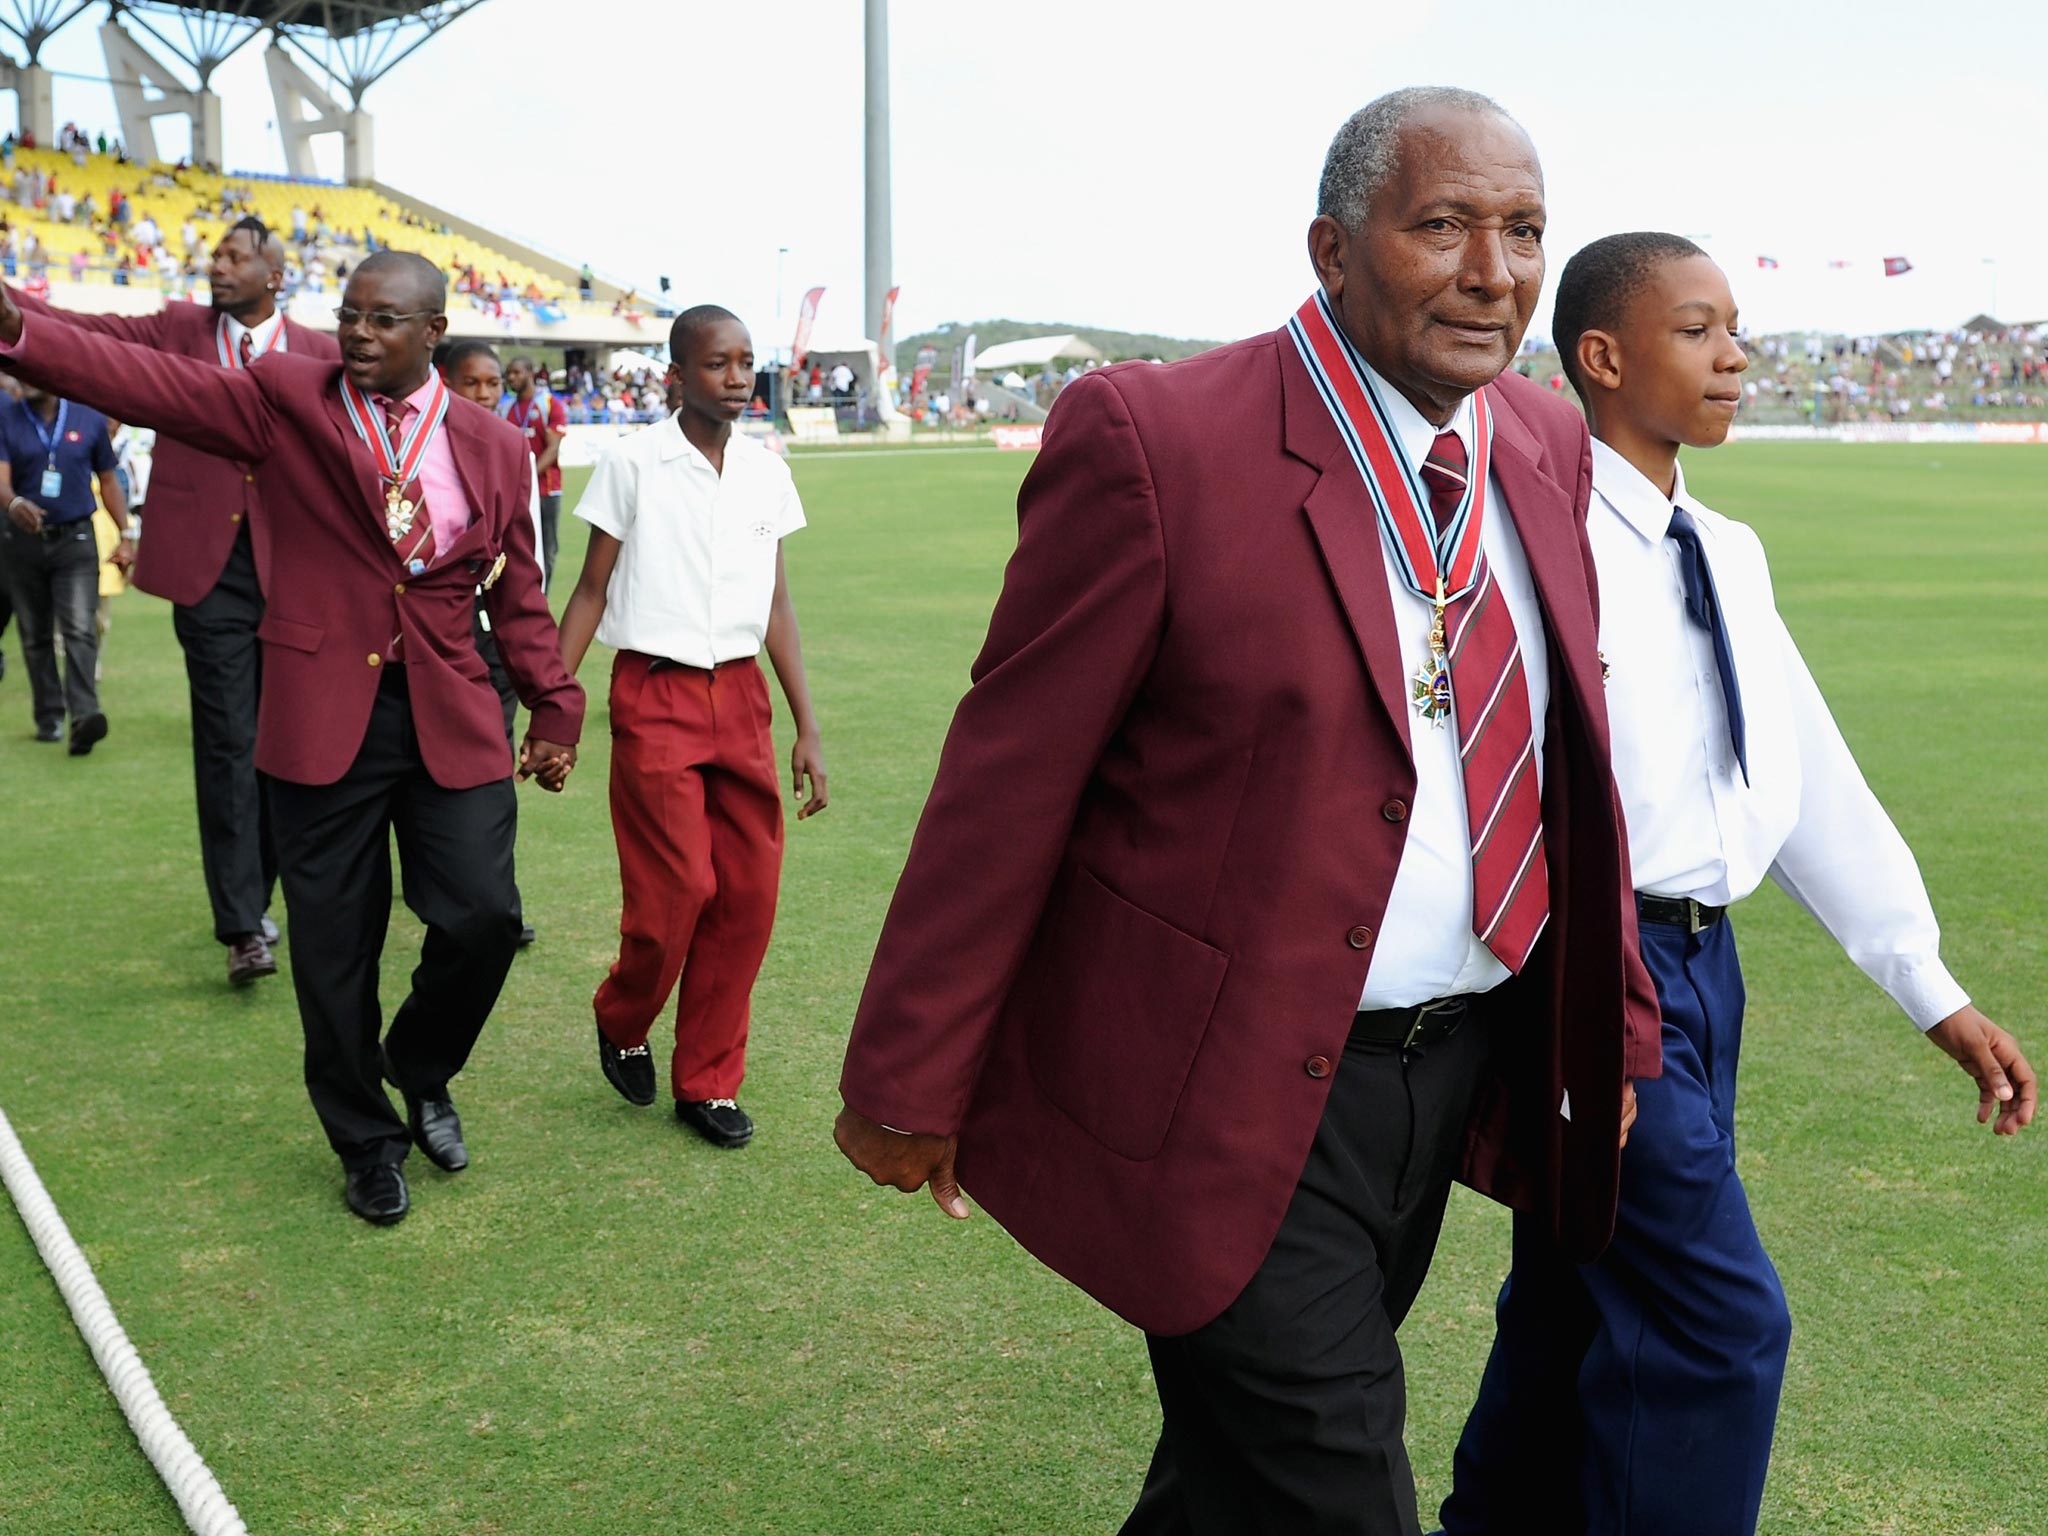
1894,266
1768,263
806,312
888,315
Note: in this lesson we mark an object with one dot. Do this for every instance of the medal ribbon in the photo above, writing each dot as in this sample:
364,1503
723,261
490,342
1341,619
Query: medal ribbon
1438,567
230,357
403,467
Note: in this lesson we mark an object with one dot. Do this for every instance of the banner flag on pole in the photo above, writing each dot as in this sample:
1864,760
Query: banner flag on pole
806,312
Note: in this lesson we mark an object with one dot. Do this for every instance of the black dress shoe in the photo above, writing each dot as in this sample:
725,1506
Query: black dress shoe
87,733
719,1121
377,1194
629,1071
50,733
250,959
269,931
436,1128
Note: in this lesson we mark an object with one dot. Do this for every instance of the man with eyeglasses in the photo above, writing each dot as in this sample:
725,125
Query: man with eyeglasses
208,555
392,501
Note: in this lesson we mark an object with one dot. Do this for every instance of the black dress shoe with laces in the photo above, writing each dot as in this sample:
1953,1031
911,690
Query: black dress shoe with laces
436,1128
631,1070
719,1121
377,1194
250,959
87,733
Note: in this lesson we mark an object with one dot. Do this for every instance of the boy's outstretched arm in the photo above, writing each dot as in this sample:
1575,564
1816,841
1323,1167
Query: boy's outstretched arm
586,604
786,654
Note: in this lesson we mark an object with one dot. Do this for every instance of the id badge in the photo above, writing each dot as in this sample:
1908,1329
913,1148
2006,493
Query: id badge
53,484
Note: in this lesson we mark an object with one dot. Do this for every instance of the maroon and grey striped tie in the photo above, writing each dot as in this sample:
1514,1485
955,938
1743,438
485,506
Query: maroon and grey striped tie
1496,744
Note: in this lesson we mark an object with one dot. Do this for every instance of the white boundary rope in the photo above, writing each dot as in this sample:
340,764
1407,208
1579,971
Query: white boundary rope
206,1509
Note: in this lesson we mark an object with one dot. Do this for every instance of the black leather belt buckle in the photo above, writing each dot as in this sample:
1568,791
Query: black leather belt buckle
1411,1029
1678,912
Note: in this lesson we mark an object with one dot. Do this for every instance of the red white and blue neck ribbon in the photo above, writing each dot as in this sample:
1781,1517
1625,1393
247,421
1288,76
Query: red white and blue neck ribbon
403,467
231,356
1439,568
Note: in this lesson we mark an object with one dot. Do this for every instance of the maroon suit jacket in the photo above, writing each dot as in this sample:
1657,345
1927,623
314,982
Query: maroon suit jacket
1174,793
338,593
197,500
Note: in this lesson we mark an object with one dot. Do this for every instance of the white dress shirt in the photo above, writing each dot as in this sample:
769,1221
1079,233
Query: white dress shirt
259,335
696,571
1426,946
1805,816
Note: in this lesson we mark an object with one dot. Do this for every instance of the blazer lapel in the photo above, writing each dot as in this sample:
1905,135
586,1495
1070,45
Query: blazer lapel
1548,527
1340,516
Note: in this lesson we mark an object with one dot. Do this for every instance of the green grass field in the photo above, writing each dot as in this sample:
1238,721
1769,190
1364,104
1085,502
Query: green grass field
605,1326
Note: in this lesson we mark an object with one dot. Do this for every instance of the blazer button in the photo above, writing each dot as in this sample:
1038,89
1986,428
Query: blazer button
1395,810
248,479
376,660
399,589
1317,1066
1359,937
234,517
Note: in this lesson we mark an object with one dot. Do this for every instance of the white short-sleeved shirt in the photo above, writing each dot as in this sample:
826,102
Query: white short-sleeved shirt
696,571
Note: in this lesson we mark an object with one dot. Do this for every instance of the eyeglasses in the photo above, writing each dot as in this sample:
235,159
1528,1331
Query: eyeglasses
381,319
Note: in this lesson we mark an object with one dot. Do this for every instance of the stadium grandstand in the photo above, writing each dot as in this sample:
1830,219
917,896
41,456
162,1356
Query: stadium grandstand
100,224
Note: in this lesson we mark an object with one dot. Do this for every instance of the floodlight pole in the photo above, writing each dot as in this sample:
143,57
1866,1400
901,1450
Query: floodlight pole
879,261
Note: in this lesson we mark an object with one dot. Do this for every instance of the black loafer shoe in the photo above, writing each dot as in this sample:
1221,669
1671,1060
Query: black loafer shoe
377,1194
436,1128
269,931
87,733
629,1071
719,1121
250,959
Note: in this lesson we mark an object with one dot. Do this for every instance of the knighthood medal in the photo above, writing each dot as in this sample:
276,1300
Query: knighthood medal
1432,693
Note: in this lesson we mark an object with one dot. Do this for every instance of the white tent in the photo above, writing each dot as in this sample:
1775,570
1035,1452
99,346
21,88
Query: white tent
1035,352
626,360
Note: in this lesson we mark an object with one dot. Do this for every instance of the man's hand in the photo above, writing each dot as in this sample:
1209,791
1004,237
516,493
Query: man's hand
1628,1108
123,557
902,1160
2005,1082
547,762
807,761
22,512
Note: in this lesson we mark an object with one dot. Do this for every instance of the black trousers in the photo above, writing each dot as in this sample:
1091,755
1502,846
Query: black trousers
224,672
334,855
54,583
550,537
1285,1414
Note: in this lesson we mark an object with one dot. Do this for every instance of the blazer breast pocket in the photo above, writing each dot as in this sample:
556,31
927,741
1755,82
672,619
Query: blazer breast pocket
1114,1005
289,633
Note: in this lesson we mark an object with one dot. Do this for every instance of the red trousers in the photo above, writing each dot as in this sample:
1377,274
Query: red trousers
697,811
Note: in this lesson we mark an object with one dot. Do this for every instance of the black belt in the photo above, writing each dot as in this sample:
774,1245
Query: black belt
1678,912
1412,1029
51,532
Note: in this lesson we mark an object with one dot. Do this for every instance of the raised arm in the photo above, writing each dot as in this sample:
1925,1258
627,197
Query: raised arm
218,410
144,330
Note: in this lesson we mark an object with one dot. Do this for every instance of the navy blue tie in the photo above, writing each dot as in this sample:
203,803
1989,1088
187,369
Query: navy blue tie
1703,604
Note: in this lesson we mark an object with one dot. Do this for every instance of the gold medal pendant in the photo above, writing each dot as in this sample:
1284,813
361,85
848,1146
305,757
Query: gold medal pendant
398,512
1432,686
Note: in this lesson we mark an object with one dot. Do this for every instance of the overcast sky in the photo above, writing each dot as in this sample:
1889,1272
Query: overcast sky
1152,167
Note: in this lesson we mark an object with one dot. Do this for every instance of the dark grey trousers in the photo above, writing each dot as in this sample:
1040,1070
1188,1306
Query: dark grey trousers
54,580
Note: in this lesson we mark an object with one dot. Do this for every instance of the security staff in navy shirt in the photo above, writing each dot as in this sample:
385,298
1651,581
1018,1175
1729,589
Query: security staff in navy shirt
53,451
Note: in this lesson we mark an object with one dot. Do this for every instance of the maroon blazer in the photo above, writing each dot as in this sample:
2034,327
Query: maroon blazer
1165,827
338,593
197,500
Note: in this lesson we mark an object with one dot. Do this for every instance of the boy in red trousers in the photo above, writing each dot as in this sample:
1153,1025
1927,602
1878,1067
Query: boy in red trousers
684,578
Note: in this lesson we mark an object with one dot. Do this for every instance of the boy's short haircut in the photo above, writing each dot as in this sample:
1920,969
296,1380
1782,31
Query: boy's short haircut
1598,283
689,323
460,352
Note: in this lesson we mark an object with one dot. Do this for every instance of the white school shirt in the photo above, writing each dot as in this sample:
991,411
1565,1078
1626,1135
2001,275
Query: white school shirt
1805,816
1426,946
696,571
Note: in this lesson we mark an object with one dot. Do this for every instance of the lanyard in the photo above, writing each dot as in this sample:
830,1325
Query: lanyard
51,439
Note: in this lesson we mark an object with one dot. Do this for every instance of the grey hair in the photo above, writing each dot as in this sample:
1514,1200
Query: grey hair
1362,155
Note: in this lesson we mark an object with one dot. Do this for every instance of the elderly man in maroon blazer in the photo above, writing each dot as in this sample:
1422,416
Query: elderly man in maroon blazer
207,552
391,501
1273,874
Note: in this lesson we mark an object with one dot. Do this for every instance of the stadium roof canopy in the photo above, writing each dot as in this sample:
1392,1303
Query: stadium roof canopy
354,43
